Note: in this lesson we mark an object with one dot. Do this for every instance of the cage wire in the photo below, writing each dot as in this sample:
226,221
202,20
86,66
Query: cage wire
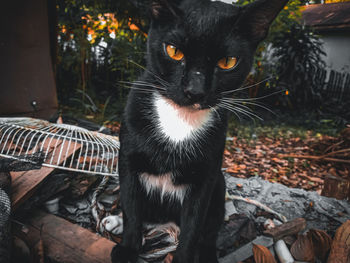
72,148
62,146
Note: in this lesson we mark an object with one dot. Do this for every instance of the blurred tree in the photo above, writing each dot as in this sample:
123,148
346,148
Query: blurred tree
97,40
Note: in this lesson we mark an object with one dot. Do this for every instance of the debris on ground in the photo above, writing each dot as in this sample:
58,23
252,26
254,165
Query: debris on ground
292,161
264,214
305,211
265,221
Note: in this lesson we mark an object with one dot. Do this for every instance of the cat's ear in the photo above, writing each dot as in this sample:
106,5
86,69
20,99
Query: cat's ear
258,16
165,9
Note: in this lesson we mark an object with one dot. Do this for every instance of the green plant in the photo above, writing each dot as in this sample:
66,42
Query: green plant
261,79
298,51
96,41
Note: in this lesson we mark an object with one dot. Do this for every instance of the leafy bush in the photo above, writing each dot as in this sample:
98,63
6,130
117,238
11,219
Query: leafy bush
95,47
285,61
298,51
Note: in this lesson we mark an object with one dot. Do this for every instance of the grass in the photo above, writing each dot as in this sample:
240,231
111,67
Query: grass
286,126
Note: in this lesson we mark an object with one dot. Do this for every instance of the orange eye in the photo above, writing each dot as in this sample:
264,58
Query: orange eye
174,52
227,62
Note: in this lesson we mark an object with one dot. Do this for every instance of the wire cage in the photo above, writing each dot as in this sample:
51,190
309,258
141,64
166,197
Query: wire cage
61,146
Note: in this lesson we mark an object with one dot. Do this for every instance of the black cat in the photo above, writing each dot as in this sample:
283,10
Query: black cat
174,126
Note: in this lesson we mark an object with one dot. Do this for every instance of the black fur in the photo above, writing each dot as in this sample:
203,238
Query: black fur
206,32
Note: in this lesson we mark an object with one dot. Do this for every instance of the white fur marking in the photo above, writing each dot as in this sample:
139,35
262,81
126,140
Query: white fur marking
164,185
180,123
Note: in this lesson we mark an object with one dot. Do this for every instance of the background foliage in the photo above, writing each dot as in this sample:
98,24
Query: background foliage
102,42
97,45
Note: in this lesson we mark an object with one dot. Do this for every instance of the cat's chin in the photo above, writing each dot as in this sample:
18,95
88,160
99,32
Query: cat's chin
171,114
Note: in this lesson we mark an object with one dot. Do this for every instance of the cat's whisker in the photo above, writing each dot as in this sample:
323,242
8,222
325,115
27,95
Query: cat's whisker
150,85
253,104
243,111
262,97
162,81
139,89
141,83
245,87
238,110
236,103
143,90
216,112
247,111
229,109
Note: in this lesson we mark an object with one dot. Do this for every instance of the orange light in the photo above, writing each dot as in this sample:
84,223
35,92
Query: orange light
133,27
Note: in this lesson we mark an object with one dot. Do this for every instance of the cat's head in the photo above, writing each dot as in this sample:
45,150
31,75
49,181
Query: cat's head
198,49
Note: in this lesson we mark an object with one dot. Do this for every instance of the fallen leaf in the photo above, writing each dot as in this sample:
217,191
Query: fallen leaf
340,250
262,254
322,243
168,258
302,249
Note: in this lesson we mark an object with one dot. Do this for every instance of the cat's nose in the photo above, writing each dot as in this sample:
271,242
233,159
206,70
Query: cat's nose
195,90
194,93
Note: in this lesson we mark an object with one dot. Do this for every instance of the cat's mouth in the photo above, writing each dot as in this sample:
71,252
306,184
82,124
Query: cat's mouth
185,103
196,106
193,107
190,106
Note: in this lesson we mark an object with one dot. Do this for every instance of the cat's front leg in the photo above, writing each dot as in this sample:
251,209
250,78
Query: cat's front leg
193,217
128,250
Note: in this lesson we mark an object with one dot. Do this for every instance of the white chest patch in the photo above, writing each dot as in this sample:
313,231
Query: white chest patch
164,185
180,123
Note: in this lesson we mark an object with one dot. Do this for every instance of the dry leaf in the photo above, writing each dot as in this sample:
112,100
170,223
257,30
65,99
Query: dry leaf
243,159
169,258
39,249
322,243
262,254
340,251
302,249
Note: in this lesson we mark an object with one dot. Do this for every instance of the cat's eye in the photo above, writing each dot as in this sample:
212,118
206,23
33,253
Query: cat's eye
174,52
227,62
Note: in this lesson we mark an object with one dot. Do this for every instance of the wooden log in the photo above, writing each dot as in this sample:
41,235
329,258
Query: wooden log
24,184
336,187
63,241
290,228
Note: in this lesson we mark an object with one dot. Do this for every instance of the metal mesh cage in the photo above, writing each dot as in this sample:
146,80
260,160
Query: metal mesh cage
59,146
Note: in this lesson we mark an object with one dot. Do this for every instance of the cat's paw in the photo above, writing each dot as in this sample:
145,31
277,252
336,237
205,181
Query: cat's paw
122,254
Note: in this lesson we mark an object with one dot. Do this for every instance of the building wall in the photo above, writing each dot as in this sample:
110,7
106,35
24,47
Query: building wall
337,47
27,83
